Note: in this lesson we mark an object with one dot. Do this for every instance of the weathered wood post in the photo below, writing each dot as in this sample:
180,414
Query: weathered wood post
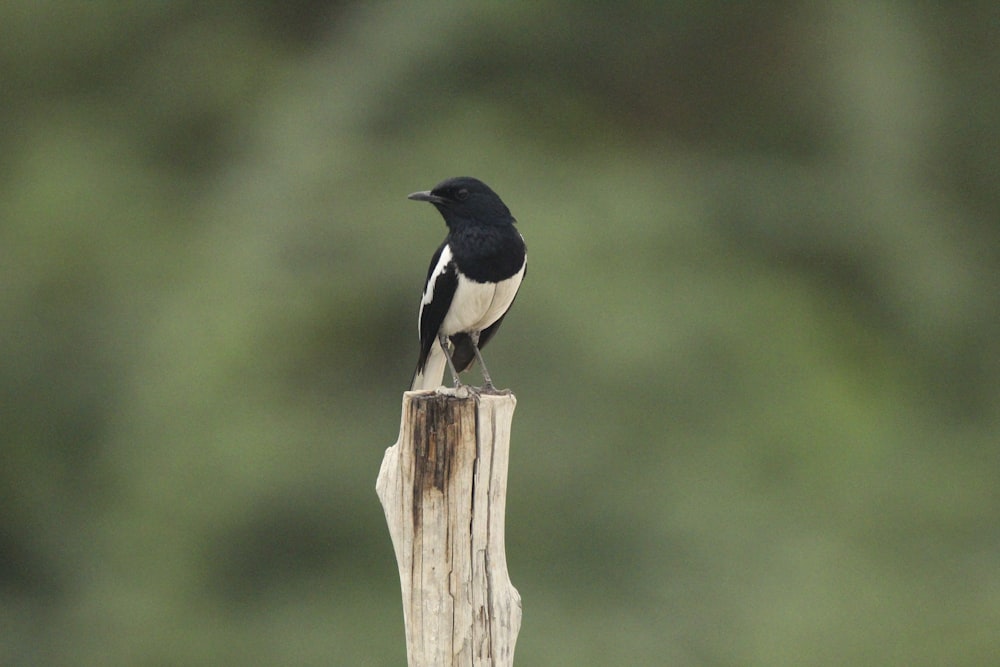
443,487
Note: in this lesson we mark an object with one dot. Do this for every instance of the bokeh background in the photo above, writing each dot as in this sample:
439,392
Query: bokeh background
757,355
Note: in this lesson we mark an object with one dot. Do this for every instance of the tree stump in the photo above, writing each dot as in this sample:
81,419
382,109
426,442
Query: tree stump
443,487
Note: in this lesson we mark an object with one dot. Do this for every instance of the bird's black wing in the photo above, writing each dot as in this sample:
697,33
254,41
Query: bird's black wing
442,281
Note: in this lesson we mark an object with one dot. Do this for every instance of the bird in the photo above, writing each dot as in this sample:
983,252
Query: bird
471,283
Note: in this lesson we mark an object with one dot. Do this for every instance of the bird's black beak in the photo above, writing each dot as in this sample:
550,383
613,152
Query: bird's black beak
425,195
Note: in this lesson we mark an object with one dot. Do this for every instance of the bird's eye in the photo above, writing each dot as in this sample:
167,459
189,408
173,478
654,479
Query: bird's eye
462,194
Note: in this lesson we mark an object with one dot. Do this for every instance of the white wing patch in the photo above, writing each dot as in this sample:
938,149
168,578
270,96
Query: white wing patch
443,261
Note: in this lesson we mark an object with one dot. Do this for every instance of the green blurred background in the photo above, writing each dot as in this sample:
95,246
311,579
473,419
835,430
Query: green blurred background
757,356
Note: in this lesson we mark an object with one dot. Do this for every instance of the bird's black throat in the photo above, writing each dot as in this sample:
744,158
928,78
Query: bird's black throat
487,253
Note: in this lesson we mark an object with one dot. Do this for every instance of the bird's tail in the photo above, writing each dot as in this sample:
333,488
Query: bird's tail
431,375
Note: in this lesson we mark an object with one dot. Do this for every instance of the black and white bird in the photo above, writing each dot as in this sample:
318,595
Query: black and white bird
471,282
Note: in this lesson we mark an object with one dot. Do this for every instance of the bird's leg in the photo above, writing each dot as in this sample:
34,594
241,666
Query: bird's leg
443,340
487,381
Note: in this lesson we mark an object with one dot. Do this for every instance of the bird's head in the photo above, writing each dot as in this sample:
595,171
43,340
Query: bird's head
466,199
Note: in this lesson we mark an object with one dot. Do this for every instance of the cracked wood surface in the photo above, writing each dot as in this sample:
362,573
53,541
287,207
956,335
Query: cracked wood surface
443,487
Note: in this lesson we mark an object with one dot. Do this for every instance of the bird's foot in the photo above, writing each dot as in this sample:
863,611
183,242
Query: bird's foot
462,391
490,390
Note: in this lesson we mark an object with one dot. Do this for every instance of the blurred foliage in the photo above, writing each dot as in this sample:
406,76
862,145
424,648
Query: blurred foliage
757,355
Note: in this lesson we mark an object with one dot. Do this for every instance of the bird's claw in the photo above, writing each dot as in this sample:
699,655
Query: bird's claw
490,390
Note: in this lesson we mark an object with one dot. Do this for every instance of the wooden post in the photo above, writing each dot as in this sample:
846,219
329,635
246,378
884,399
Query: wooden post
443,487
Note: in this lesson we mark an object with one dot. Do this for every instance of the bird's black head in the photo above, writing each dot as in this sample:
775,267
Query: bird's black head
466,199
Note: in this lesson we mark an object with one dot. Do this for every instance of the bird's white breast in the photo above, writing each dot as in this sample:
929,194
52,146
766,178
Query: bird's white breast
478,305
